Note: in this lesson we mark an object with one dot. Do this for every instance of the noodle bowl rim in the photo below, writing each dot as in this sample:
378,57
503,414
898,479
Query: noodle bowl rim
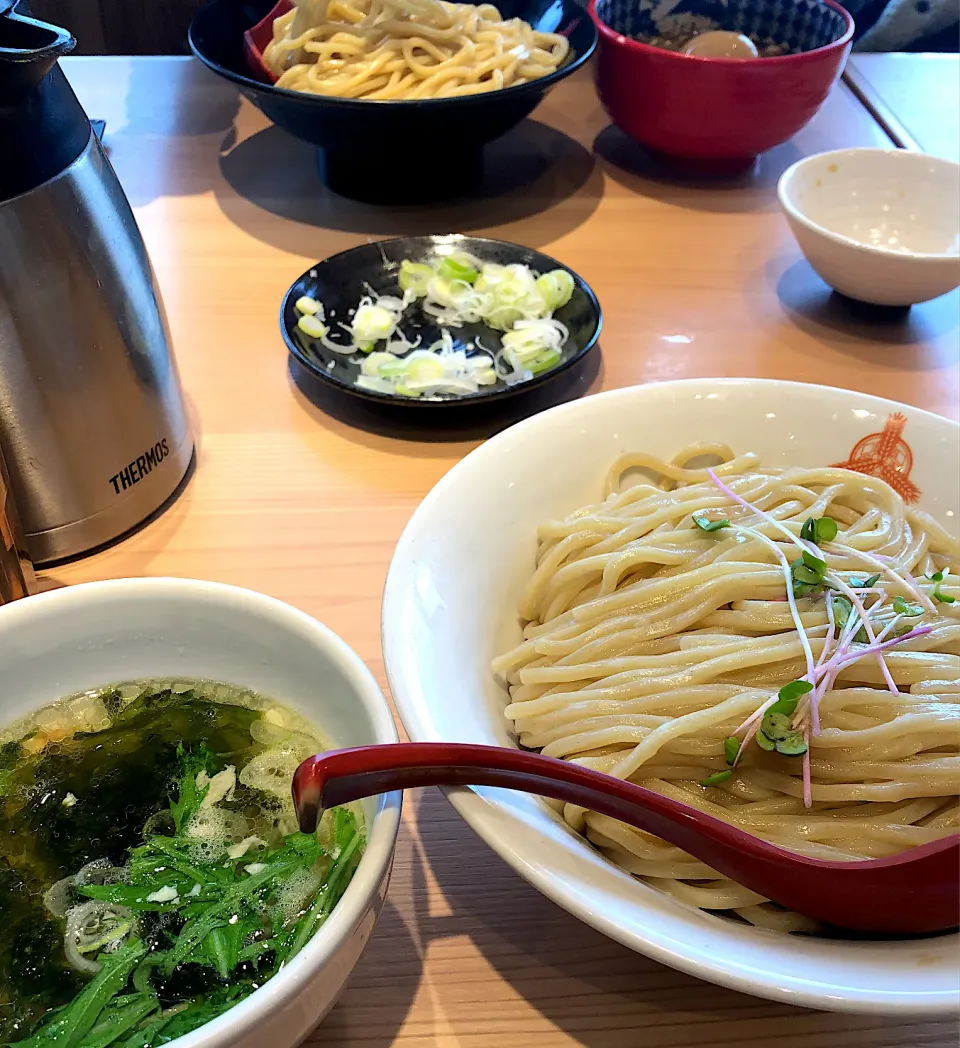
861,976
538,86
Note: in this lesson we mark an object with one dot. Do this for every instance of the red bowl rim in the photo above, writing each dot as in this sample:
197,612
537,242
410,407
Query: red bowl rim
639,48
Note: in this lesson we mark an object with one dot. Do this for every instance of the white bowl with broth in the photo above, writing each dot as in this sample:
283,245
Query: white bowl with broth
878,225
91,636
450,607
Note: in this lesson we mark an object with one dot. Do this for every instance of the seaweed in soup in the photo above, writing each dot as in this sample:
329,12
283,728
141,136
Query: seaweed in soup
151,872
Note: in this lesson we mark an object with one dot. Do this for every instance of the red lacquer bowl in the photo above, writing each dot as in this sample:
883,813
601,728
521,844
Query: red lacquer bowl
720,110
256,38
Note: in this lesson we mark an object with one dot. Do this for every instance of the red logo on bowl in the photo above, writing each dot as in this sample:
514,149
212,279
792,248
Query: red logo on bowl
886,455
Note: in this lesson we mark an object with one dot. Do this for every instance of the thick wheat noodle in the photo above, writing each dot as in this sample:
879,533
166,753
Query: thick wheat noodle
406,49
648,641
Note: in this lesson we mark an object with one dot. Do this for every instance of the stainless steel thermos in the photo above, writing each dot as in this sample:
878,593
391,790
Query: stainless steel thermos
92,422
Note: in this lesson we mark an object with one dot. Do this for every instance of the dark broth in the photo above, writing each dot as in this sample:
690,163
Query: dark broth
205,925
679,30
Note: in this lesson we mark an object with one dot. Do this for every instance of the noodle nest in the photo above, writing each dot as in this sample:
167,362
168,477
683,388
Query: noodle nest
406,49
649,641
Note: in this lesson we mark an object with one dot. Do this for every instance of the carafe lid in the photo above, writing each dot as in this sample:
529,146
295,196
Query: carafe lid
43,128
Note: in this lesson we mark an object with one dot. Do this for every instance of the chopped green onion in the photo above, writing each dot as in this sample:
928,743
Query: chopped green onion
309,325
544,361
308,305
731,747
716,778
903,607
556,287
414,277
710,525
452,269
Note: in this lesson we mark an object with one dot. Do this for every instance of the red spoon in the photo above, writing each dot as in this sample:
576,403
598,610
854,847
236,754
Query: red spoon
917,891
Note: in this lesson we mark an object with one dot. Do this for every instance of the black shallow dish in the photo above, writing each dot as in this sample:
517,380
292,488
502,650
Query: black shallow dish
392,152
338,282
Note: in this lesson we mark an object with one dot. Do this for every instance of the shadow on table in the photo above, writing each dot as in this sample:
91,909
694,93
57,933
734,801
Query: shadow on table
528,173
628,163
601,994
381,989
334,408
895,337
195,104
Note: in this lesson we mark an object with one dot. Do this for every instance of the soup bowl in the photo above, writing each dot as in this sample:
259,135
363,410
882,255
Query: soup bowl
450,607
89,636
718,113
878,225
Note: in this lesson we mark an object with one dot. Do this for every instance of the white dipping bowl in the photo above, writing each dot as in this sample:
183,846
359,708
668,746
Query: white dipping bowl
878,225
89,636
450,606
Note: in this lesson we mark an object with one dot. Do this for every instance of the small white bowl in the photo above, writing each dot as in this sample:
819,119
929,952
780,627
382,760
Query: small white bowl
878,225
450,605
89,636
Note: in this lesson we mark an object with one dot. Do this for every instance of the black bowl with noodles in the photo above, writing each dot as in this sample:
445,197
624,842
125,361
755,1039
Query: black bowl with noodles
392,152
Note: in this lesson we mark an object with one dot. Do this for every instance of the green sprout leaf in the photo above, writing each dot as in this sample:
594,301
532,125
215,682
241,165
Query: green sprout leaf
903,607
819,530
943,598
855,582
842,611
710,525
792,746
776,726
789,696
776,730
731,747
807,572
814,563
716,778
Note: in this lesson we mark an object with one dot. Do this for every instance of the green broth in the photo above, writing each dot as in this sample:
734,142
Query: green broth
201,887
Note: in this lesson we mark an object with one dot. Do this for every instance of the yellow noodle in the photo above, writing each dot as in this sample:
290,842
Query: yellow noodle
648,641
406,49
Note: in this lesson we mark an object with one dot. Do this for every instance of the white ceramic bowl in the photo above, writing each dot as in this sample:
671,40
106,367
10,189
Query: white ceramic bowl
879,225
93,635
449,606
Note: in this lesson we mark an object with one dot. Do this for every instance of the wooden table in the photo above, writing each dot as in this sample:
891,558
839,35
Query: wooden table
916,98
306,505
